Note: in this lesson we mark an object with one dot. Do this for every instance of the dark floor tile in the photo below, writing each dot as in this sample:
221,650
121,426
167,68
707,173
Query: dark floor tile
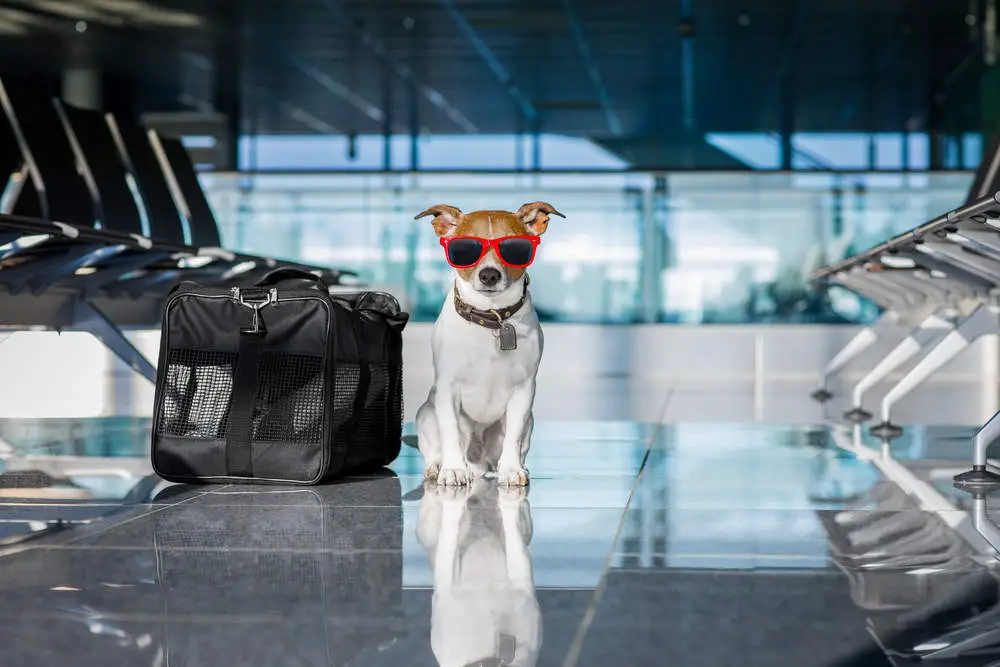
696,618
307,641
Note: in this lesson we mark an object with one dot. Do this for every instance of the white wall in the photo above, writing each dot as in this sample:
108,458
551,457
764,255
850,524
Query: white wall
679,373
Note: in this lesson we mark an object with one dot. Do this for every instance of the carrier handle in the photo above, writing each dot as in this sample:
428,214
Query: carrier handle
281,275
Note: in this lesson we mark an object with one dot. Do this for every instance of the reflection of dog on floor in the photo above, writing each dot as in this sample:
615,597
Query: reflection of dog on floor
485,612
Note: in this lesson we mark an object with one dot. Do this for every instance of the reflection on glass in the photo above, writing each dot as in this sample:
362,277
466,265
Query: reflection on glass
485,611
690,247
983,524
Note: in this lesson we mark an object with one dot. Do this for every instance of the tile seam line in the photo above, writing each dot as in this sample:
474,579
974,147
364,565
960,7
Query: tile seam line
576,646
31,546
158,509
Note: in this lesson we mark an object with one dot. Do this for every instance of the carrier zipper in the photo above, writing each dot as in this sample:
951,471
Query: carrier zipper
234,294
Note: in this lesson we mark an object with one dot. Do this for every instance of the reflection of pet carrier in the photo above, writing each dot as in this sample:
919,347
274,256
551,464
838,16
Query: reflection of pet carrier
310,573
248,575
277,382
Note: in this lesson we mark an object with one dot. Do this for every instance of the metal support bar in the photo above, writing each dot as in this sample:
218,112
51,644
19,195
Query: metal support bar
927,262
869,285
925,288
590,63
984,438
967,639
974,263
954,289
114,269
864,339
40,272
502,75
88,318
983,321
984,237
930,331
400,68
156,281
650,266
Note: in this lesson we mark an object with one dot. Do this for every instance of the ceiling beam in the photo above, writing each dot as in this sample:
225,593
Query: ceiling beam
502,75
257,93
400,69
327,82
317,76
888,54
783,68
590,64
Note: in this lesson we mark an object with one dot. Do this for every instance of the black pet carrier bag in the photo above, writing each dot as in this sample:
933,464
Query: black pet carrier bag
278,382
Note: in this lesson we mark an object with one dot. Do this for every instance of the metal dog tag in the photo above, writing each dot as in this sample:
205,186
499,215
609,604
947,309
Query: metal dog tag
507,337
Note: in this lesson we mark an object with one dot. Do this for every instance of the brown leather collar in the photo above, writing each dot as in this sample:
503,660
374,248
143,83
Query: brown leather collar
493,318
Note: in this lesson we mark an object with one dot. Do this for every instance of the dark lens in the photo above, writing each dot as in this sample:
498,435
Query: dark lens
517,251
464,252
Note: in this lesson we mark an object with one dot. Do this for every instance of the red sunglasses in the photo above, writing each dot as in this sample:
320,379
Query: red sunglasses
466,251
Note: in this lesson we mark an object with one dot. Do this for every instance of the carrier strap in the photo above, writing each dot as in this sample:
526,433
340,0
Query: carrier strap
239,459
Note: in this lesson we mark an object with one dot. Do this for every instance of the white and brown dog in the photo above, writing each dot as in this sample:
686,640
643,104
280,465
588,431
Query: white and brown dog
485,608
487,345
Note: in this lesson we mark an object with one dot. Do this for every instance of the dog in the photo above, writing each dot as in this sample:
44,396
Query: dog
487,344
485,608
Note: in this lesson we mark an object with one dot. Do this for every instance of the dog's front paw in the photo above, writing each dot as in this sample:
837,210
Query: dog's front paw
516,476
431,472
511,496
454,477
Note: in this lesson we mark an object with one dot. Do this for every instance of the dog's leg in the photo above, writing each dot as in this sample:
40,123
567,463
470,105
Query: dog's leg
429,438
453,502
525,443
523,618
429,520
512,503
517,423
454,469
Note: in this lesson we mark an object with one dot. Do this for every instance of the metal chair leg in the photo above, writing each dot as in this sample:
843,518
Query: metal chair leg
90,319
862,341
984,320
928,333
981,476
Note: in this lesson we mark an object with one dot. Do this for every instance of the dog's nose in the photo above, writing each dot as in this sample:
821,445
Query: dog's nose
489,276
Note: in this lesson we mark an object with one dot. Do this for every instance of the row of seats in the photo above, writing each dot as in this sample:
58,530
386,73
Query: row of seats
928,594
99,219
937,285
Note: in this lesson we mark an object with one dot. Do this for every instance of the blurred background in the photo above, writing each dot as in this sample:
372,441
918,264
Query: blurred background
708,154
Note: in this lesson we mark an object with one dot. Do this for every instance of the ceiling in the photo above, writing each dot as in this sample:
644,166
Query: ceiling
609,69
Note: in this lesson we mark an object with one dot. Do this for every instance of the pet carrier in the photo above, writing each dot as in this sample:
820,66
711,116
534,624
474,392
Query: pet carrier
278,382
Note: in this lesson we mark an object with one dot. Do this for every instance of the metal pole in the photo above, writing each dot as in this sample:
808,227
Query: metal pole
387,83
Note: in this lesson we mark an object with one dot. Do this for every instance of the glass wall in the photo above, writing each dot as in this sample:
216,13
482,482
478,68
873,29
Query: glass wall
635,247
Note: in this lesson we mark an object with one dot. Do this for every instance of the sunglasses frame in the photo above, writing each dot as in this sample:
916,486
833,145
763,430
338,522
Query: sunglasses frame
486,245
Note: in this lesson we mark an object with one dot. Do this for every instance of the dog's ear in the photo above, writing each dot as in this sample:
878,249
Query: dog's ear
535,216
446,218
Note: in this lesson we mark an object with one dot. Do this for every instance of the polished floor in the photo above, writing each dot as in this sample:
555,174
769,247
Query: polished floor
636,544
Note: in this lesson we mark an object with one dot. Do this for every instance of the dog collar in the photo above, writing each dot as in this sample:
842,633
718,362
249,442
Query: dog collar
492,318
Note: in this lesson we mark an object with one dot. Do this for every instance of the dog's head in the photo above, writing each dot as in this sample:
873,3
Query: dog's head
490,275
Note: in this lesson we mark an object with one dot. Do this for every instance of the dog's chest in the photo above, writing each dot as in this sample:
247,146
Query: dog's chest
469,357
